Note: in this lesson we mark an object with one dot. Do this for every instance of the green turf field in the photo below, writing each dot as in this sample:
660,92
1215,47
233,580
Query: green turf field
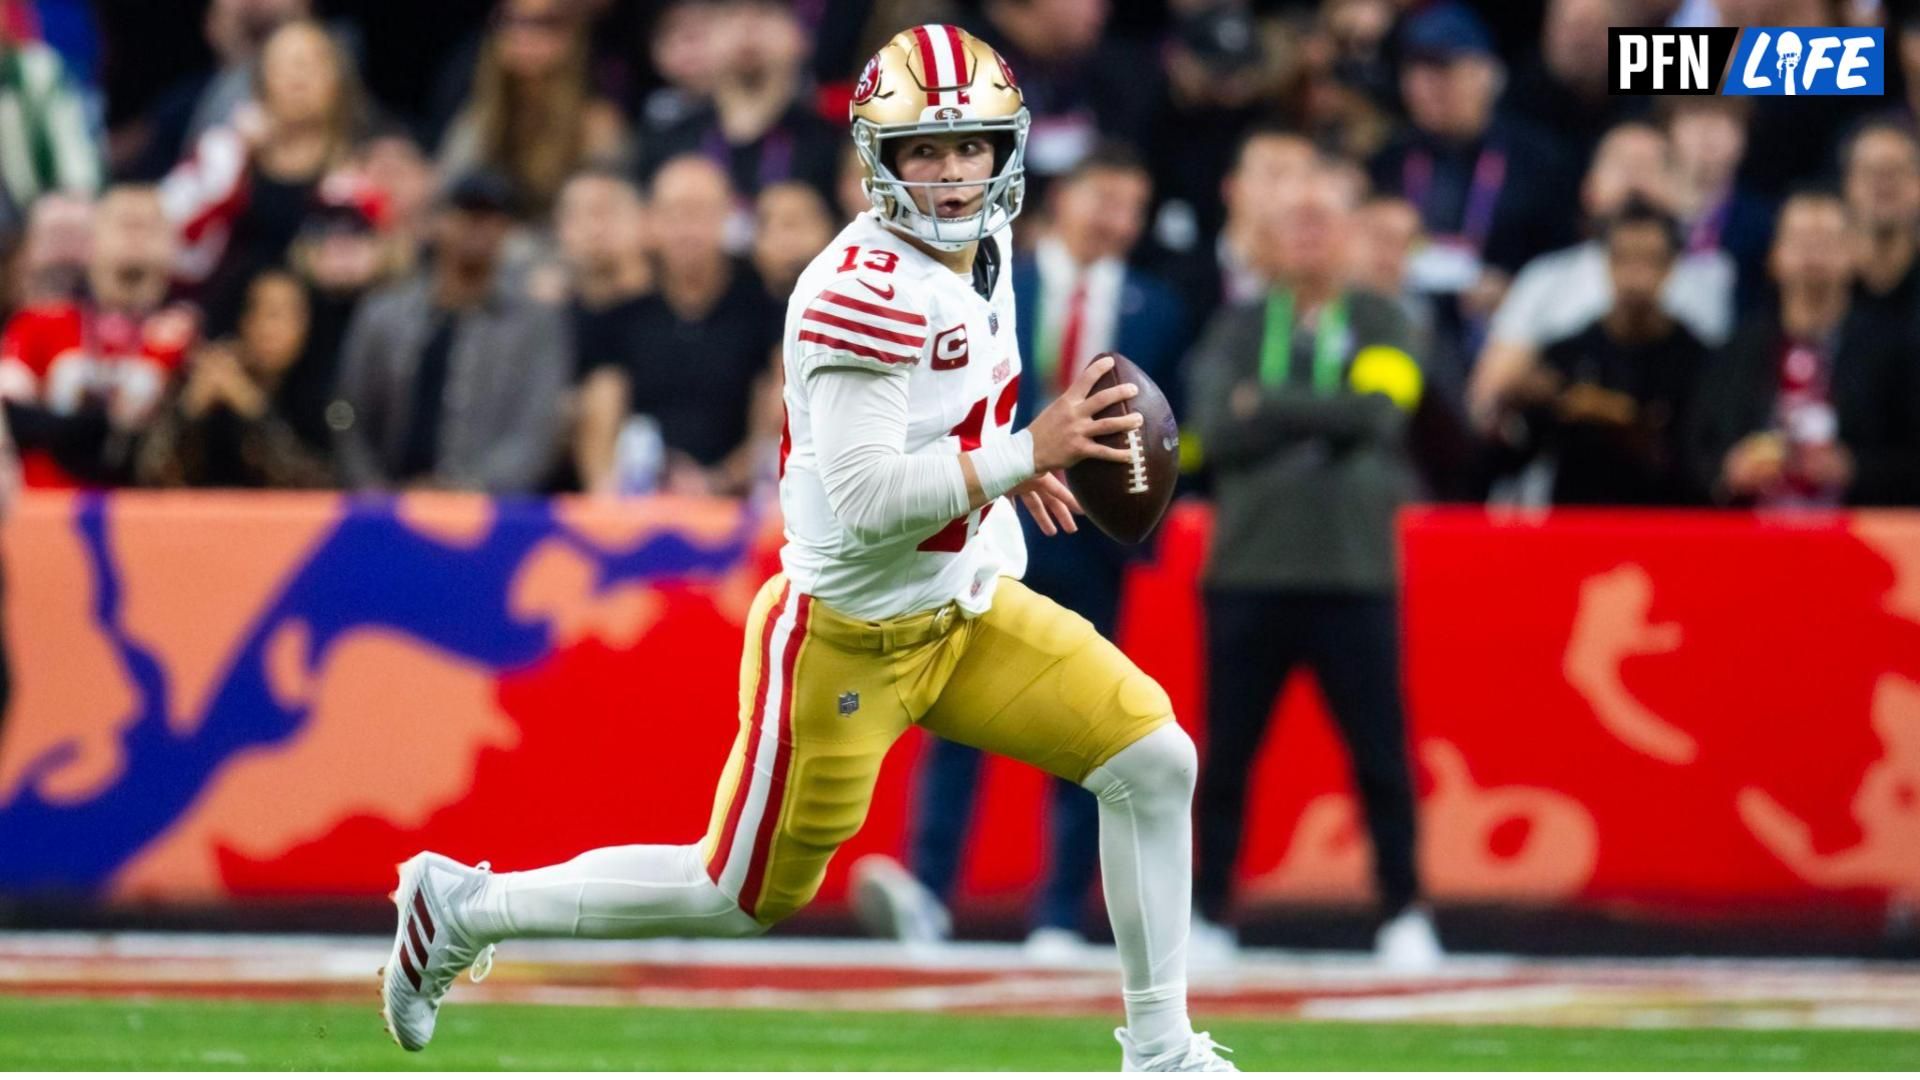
173,1034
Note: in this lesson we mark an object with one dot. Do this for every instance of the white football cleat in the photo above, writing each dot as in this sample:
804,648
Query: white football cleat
891,903
1198,1054
1407,944
428,950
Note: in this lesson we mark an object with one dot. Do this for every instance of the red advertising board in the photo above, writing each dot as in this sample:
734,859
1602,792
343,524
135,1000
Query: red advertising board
223,696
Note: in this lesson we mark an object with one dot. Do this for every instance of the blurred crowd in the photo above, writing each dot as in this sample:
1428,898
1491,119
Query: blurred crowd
545,245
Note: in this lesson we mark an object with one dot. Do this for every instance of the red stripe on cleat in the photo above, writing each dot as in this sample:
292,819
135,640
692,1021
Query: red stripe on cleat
420,909
413,935
406,965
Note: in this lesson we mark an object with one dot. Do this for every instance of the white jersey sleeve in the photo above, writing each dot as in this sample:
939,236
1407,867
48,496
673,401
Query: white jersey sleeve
877,489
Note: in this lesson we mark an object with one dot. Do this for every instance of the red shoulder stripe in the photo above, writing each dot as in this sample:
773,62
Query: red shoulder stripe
896,314
868,329
855,348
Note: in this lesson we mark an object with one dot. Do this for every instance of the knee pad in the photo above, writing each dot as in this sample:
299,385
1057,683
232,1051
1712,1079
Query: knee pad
1161,764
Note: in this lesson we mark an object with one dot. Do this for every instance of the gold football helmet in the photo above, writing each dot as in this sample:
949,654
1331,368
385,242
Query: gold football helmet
936,79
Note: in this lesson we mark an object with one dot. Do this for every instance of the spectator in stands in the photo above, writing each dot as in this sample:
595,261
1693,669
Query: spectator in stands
759,125
1882,187
601,223
1360,33
1077,298
1227,271
1601,418
1815,404
701,366
1906,49
1386,232
82,376
222,426
53,254
1491,192
1079,83
1561,93
392,163
1341,76
1222,77
452,380
342,255
241,197
1079,295
532,115
1709,137
791,226
237,31
46,138
686,57
1559,294
1302,404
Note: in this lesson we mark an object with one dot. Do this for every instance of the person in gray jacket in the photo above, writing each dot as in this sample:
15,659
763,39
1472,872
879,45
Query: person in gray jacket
1301,401
453,379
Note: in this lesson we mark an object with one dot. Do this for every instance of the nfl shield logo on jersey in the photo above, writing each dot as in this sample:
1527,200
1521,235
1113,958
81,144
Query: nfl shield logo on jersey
849,703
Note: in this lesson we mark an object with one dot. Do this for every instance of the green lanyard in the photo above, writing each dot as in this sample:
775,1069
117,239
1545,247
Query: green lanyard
1329,343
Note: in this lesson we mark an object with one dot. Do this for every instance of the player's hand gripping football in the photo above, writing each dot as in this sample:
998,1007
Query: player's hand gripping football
1066,431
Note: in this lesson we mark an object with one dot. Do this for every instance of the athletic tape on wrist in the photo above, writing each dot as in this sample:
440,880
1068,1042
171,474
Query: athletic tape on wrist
1004,464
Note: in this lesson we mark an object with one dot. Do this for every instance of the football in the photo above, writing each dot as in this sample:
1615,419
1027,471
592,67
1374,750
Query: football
1127,499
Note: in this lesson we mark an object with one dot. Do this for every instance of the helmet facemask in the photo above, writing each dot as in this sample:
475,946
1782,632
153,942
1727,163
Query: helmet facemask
893,198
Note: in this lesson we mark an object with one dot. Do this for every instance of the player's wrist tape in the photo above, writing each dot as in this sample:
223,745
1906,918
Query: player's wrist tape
1004,464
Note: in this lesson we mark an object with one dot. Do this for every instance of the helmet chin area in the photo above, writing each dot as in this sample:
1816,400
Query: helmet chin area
893,200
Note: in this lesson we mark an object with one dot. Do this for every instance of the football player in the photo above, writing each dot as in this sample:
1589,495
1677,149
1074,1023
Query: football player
899,601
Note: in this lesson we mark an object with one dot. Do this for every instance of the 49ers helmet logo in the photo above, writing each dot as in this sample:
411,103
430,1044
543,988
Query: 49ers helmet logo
863,91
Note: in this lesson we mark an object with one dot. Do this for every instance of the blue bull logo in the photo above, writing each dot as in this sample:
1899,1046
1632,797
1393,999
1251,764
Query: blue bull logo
171,701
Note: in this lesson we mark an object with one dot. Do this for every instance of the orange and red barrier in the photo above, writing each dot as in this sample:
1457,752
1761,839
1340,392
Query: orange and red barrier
222,697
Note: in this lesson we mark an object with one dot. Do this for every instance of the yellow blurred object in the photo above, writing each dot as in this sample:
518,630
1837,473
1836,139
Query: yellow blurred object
1383,369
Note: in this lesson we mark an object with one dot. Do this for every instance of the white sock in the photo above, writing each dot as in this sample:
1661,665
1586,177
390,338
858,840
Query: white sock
1146,868
637,891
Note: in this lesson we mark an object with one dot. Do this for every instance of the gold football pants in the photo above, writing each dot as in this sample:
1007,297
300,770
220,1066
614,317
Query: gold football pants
823,696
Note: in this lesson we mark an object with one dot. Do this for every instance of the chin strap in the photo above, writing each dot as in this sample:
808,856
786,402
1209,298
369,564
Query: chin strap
986,268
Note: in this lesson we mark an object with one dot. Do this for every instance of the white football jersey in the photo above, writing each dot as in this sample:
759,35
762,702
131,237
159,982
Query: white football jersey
873,300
